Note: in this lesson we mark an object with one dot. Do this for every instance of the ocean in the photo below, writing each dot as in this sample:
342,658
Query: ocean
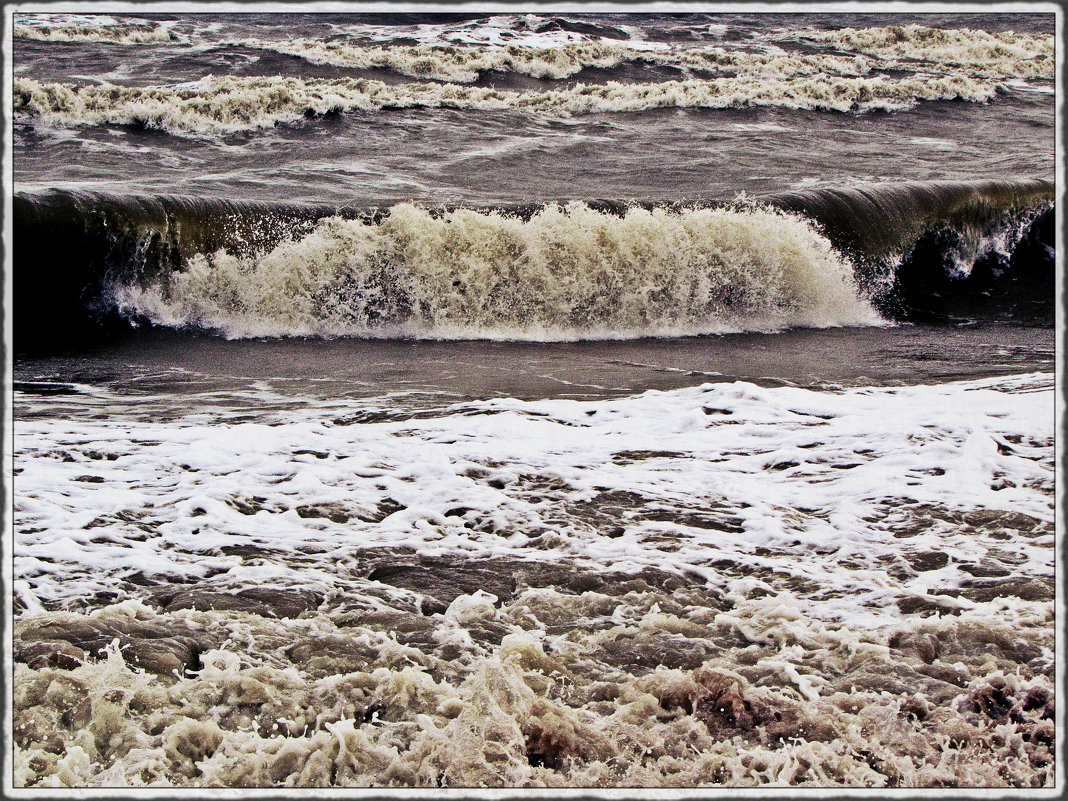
533,400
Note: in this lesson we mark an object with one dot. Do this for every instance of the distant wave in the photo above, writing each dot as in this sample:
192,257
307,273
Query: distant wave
221,104
457,64
561,54
913,49
1004,54
103,33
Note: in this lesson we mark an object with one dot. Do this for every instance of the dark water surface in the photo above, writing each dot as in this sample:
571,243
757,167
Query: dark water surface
181,364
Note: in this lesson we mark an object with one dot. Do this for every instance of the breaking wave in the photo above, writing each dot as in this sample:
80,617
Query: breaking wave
1000,54
104,33
229,104
565,272
598,269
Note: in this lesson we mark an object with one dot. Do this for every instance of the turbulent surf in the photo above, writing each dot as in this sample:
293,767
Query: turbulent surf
533,400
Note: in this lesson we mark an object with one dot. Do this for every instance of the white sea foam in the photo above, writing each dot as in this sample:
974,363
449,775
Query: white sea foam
820,487
1025,86
497,30
567,272
820,588
934,143
236,104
